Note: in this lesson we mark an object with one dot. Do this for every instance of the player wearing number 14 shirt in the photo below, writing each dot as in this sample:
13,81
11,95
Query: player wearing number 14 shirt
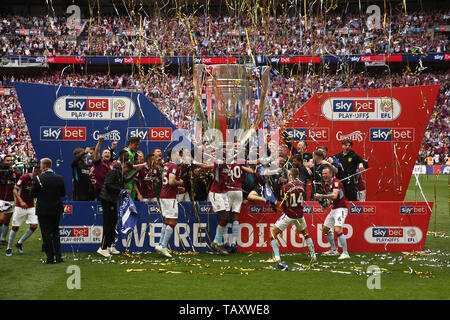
292,195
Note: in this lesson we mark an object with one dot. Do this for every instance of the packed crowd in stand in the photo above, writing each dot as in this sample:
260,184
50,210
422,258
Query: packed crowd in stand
207,35
173,95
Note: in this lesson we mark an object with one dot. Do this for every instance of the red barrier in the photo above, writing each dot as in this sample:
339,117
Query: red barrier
377,226
386,125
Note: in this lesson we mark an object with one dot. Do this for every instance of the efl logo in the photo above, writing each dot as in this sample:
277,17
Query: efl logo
392,134
63,133
91,104
151,134
311,134
413,210
68,209
356,105
387,232
363,210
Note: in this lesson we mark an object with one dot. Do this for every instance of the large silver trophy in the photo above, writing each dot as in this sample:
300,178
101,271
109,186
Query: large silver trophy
231,97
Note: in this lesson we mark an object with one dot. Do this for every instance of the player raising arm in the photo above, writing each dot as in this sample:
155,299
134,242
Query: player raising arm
336,218
292,195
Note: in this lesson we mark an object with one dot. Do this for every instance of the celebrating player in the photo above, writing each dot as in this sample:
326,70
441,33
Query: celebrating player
8,178
336,218
24,209
292,195
168,199
233,185
147,177
219,201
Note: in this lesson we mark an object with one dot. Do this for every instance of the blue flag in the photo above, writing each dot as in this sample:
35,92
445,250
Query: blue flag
267,188
128,215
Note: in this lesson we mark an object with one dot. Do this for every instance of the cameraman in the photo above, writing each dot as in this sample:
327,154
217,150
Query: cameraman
8,179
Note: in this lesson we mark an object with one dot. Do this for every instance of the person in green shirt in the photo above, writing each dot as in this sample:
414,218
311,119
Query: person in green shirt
133,145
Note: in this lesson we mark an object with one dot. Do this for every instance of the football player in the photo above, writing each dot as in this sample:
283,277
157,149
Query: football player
336,218
24,209
292,194
169,205
233,185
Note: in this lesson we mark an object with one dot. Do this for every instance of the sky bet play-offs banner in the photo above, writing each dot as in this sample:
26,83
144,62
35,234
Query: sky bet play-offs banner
61,119
376,226
385,125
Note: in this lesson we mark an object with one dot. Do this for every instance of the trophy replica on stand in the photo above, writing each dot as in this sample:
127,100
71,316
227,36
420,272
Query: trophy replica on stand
230,98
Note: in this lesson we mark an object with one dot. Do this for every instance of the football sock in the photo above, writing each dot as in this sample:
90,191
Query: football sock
25,236
343,242
309,244
167,235
163,229
234,231
12,235
330,238
219,234
4,231
276,251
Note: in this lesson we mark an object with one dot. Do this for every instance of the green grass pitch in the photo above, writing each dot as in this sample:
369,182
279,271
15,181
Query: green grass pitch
242,276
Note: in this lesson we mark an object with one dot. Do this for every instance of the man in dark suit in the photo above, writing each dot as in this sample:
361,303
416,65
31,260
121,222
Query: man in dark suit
350,162
49,188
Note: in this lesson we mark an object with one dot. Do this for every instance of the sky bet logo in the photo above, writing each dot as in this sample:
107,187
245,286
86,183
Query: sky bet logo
387,232
308,134
392,134
413,210
259,209
150,134
353,105
363,209
74,232
63,133
91,104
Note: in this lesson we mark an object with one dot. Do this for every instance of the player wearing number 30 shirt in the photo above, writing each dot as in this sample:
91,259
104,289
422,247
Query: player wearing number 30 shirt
234,193
292,195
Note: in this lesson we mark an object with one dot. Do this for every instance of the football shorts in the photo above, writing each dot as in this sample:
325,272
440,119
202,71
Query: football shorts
235,200
169,208
219,201
336,218
21,214
284,221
